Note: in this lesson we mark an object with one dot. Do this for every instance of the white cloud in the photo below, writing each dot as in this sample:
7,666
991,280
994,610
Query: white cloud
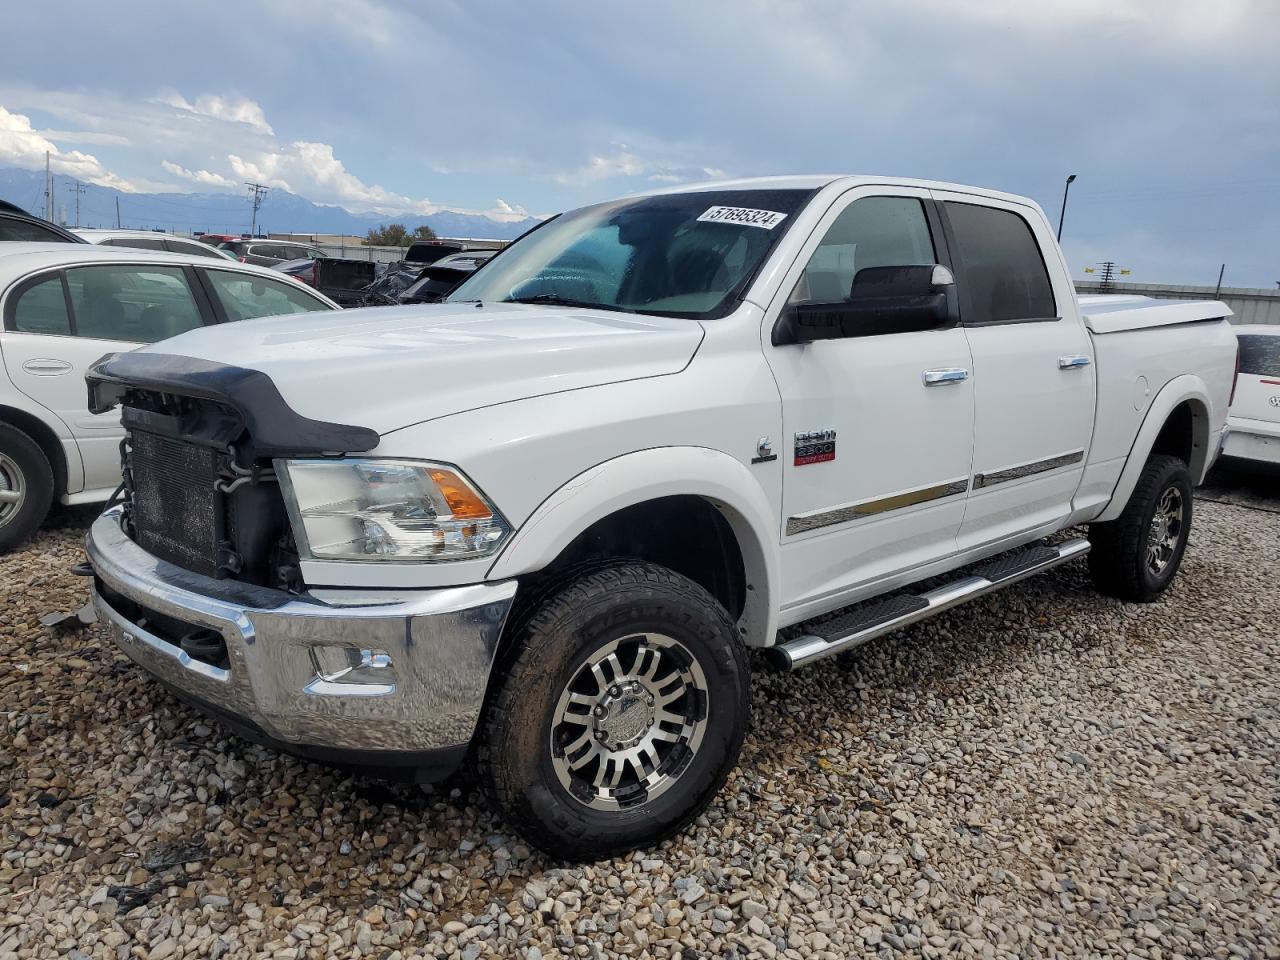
23,146
506,212
231,109
622,161
86,136
205,178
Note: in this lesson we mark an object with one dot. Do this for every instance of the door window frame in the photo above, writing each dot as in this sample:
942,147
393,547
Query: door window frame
11,296
937,233
1034,227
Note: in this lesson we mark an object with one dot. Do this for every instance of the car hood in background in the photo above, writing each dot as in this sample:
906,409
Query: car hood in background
389,367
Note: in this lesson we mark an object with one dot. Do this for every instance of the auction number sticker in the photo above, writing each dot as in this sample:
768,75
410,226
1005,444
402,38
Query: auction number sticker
765,219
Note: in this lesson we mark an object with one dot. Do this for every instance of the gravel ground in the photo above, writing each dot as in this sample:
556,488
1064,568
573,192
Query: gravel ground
1042,773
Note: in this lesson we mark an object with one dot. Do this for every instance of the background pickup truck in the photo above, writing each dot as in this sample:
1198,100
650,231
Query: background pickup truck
541,523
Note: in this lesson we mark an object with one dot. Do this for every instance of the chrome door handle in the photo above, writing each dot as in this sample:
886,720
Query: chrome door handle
1073,361
938,378
46,367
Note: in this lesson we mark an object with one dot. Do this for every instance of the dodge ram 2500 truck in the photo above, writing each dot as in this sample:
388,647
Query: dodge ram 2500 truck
540,524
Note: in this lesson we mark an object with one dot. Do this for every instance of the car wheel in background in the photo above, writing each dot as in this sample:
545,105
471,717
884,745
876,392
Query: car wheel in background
26,487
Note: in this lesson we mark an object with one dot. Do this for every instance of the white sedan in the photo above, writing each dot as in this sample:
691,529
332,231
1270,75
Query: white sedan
150,240
1254,421
64,306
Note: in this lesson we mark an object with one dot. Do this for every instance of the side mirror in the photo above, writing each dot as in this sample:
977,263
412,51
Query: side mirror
882,300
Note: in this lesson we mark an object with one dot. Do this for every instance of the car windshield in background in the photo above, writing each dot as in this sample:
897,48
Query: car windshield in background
679,254
1260,354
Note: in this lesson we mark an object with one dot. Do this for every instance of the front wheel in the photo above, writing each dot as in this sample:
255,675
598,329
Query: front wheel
1135,556
620,712
26,487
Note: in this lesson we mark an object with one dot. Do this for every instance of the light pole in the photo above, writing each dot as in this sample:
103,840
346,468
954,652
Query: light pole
1062,216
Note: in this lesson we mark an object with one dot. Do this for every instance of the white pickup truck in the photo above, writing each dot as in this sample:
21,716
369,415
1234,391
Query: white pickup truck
540,524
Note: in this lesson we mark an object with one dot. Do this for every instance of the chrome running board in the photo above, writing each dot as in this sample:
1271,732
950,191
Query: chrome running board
875,618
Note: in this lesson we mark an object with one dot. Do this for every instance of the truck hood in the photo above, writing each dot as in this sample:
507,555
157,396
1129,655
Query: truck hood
389,367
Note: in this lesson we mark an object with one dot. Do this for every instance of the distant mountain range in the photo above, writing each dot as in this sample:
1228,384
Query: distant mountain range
281,211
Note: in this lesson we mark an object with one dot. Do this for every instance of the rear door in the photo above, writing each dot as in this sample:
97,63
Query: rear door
1033,375
877,429
58,323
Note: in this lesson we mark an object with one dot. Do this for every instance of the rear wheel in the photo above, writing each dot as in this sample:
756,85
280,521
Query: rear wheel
620,712
26,487
1135,556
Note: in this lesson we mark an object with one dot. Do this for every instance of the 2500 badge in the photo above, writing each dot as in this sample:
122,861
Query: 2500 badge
815,446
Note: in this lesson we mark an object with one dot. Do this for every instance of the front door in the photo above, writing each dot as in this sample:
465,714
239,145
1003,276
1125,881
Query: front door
58,324
1033,375
877,429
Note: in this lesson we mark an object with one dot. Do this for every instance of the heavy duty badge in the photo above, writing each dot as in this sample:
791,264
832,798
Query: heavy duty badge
815,446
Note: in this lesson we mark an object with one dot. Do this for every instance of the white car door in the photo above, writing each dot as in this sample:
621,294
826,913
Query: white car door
1033,375
59,323
877,428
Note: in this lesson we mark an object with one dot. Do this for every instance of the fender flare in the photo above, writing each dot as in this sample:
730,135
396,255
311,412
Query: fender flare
651,474
1187,387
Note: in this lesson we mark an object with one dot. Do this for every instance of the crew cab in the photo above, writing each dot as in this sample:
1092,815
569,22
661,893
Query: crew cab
540,524
64,305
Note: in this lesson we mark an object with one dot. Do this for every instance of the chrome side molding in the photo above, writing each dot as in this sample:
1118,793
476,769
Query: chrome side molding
867,508
1006,474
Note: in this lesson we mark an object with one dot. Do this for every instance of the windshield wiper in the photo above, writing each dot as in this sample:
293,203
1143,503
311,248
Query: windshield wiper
559,301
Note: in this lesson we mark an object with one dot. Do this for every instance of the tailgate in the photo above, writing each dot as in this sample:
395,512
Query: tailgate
336,274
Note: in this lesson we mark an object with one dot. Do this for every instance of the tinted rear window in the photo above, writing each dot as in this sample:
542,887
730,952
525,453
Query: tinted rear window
137,243
1003,270
1260,354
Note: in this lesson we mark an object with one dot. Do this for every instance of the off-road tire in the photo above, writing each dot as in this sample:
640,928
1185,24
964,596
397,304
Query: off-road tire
21,455
1118,561
549,645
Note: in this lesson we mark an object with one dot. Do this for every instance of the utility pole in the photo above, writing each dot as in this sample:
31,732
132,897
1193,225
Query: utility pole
256,192
117,211
80,188
1218,288
1063,215
48,189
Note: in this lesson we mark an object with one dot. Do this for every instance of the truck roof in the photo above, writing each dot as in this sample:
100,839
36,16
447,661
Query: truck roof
816,181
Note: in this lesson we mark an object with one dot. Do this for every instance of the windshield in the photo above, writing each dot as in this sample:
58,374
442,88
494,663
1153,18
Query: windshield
680,254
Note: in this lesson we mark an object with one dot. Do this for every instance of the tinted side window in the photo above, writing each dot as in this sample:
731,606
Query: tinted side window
1000,264
871,232
138,304
42,308
245,296
1260,354
26,230
137,243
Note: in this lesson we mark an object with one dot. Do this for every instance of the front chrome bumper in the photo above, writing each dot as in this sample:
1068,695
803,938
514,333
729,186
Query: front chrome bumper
435,649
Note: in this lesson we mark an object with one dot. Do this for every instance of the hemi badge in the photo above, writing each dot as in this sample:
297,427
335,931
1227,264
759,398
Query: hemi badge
815,446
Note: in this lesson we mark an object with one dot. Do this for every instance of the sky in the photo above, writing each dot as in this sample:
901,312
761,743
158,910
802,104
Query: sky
1167,111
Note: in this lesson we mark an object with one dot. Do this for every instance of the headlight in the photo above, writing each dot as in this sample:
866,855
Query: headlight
366,509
